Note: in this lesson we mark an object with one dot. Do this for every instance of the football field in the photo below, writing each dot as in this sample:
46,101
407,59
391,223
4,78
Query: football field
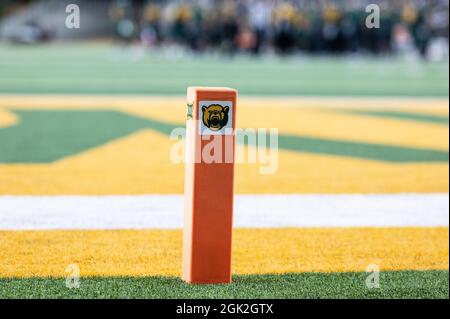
86,177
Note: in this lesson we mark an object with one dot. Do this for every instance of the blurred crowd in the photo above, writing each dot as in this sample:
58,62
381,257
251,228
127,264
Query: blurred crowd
284,26
419,27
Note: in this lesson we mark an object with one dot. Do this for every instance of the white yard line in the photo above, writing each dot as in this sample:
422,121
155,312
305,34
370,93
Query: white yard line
166,211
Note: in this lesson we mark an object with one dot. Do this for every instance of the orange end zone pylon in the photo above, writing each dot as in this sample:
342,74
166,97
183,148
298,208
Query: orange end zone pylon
209,175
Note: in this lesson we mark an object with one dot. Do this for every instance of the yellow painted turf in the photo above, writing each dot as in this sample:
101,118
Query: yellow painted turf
255,251
302,116
7,118
130,165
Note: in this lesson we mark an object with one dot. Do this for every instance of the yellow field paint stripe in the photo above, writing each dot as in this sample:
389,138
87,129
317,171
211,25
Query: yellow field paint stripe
85,101
7,118
321,122
151,105
428,105
309,118
311,173
301,116
126,166
255,251
325,123
131,166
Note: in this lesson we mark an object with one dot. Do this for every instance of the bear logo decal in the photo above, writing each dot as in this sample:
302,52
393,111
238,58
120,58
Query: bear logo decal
215,116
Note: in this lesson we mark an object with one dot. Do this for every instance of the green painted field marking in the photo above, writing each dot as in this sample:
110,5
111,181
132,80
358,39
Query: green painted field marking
44,136
381,152
407,116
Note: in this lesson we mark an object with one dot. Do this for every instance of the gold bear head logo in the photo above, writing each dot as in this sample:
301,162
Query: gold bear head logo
215,116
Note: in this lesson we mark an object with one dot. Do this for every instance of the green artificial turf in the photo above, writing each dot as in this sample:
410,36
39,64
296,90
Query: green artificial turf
108,69
393,284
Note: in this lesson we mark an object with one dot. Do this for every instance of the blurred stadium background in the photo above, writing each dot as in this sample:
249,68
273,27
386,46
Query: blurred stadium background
85,117
253,26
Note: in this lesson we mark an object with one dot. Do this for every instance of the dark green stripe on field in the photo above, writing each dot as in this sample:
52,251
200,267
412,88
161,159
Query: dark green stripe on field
44,136
379,152
407,116
392,284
